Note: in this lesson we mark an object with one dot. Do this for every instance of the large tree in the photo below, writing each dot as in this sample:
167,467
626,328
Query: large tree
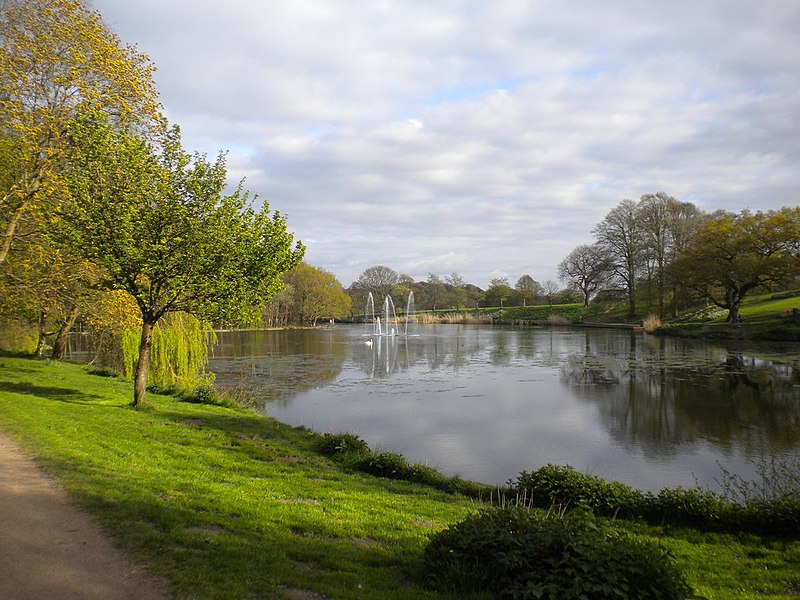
733,254
620,235
57,60
316,294
156,221
378,280
666,225
586,268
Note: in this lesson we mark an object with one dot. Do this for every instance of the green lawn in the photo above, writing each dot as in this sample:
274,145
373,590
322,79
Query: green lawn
228,504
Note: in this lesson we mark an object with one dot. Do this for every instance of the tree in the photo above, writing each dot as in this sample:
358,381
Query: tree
666,225
550,290
434,289
528,288
379,280
57,60
586,268
733,254
619,234
458,289
46,287
155,220
499,291
316,294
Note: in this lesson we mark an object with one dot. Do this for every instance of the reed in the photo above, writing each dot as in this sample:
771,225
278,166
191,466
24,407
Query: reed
456,318
651,323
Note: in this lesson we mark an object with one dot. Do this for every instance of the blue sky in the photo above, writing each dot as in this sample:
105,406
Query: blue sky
484,138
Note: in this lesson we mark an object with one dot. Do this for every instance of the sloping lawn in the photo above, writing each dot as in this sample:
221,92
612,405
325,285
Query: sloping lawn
228,504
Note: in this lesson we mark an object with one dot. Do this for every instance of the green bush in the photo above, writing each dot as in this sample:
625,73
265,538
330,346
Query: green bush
339,444
524,554
562,486
692,508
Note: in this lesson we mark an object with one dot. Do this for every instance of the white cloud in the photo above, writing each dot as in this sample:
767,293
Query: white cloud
478,137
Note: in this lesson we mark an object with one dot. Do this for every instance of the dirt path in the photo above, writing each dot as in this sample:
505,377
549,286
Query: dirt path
50,549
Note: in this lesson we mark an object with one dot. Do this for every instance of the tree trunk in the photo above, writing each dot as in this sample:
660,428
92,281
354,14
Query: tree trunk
61,337
41,342
143,364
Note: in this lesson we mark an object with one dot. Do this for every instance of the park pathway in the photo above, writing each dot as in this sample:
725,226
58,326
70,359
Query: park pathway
52,550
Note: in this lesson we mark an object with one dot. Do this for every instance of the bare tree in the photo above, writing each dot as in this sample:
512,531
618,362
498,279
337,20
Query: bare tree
379,280
620,235
586,268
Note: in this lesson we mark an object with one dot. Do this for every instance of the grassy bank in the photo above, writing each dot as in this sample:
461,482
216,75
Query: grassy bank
228,504
767,317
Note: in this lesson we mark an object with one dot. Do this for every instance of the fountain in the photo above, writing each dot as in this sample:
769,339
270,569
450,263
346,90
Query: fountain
390,326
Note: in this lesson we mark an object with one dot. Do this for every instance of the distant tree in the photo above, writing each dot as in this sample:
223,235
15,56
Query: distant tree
278,310
377,279
57,61
499,291
458,290
155,221
733,254
620,235
435,290
528,288
316,294
586,268
550,290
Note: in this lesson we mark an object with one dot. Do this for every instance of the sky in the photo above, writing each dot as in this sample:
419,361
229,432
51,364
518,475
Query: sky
482,138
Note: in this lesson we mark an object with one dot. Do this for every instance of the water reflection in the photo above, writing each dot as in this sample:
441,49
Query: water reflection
277,365
488,402
658,394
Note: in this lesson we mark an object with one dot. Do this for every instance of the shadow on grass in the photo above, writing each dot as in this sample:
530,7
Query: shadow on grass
49,392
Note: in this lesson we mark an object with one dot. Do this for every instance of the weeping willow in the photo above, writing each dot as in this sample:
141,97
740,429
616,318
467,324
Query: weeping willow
179,353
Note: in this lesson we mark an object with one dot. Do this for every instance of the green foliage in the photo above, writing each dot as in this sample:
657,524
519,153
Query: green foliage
562,486
342,444
101,371
350,450
692,508
565,488
514,552
179,352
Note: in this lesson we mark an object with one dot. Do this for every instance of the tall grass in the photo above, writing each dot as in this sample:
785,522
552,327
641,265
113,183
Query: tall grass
453,318
651,323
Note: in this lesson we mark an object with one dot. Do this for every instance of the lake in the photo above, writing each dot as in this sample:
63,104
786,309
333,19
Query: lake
487,402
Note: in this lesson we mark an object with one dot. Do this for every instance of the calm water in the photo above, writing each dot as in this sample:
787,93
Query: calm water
486,403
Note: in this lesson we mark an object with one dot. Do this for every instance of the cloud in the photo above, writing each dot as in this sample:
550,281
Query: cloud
478,137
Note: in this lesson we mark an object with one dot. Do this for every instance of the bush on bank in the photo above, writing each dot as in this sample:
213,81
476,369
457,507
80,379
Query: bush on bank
519,553
563,487
351,451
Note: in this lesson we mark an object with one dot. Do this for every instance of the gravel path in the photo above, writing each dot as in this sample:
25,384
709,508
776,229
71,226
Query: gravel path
52,550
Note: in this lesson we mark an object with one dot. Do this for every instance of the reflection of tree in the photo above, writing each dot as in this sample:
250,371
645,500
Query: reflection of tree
660,394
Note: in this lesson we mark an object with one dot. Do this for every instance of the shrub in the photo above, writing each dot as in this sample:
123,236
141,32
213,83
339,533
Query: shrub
519,553
693,508
562,486
101,371
338,444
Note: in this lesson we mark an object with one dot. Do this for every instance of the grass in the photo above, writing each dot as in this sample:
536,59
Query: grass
228,504
764,317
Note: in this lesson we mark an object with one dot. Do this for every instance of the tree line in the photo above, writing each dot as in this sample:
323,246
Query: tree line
452,292
660,255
